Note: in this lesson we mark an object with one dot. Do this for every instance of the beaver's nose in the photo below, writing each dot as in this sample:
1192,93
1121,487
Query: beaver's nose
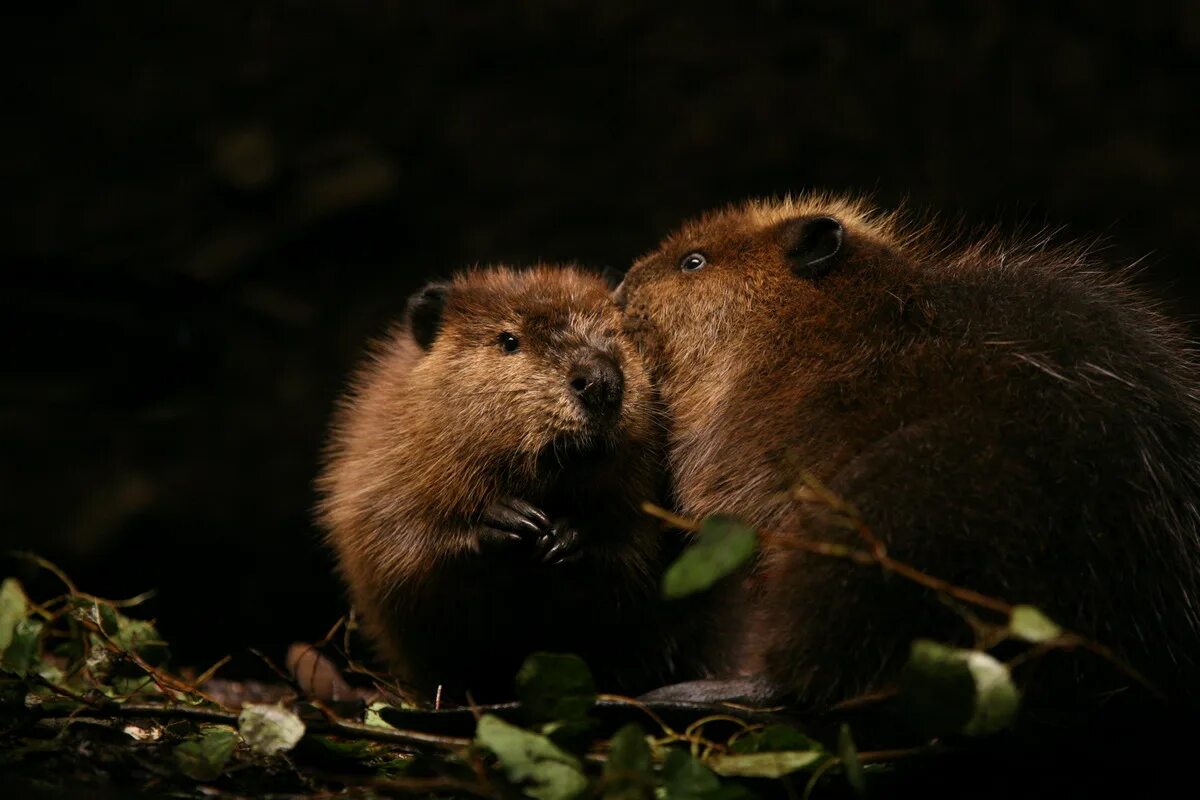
597,381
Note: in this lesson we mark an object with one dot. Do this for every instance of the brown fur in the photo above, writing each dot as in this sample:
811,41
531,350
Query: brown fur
425,441
1008,416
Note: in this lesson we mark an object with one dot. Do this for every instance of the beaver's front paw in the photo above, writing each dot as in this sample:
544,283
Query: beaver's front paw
562,544
510,524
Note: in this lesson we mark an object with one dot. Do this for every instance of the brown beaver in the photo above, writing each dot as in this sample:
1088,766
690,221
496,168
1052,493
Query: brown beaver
483,485
1008,416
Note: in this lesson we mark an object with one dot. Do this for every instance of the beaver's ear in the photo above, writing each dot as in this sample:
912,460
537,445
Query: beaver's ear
613,277
425,313
812,245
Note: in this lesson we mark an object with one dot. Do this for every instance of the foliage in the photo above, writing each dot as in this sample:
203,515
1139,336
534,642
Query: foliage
531,761
204,758
78,665
269,729
722,545
1031,625
554,687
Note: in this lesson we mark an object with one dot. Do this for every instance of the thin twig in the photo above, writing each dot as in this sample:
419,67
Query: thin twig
617,698
945,587
813,491
1072,639
670,517
357,730
207,675
48,566
136,600
698,725
350,730
161,679
287,677
423,785
865,700
883,756
818,773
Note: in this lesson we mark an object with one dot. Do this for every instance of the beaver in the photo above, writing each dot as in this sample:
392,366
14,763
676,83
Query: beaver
1006,415
483,483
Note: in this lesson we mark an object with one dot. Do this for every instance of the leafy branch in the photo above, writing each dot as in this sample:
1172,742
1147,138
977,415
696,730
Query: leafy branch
722,546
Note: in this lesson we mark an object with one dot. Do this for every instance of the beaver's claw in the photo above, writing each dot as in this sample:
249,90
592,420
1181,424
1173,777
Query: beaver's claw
510,522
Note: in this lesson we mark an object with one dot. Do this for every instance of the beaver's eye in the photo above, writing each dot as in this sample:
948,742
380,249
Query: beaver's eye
693,262
508,342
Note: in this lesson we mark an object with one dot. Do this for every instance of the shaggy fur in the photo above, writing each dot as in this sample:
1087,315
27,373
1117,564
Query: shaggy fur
426,440
1006,415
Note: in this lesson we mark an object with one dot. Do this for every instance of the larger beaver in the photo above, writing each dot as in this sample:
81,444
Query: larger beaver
483,487
1007,416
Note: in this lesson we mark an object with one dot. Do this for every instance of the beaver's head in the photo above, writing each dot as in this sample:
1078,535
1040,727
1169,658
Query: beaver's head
526,362
701,301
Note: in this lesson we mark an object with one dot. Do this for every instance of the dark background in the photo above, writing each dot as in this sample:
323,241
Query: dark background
213,206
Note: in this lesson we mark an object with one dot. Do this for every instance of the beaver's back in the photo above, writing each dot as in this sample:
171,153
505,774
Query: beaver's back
1024,433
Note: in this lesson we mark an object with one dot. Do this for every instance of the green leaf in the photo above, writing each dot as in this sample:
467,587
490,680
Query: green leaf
109,619
764,765
574,736
951,690
100,660
348,749
141,637
373,718
340,756
52,674
628,751
126,634
851,765
269,729
996,698
774,739
125,687
531,761
14,607
685,778
1030,624
135,635
203,759
937,689
627,772
722,545
23,654
555,687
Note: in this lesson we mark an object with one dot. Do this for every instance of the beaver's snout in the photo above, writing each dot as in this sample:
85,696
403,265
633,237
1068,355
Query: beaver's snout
597,382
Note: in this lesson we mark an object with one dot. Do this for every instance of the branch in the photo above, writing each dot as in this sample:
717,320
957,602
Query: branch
670,517
349,730
813,491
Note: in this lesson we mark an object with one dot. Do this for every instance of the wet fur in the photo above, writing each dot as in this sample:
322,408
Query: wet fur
424,441
1011,416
